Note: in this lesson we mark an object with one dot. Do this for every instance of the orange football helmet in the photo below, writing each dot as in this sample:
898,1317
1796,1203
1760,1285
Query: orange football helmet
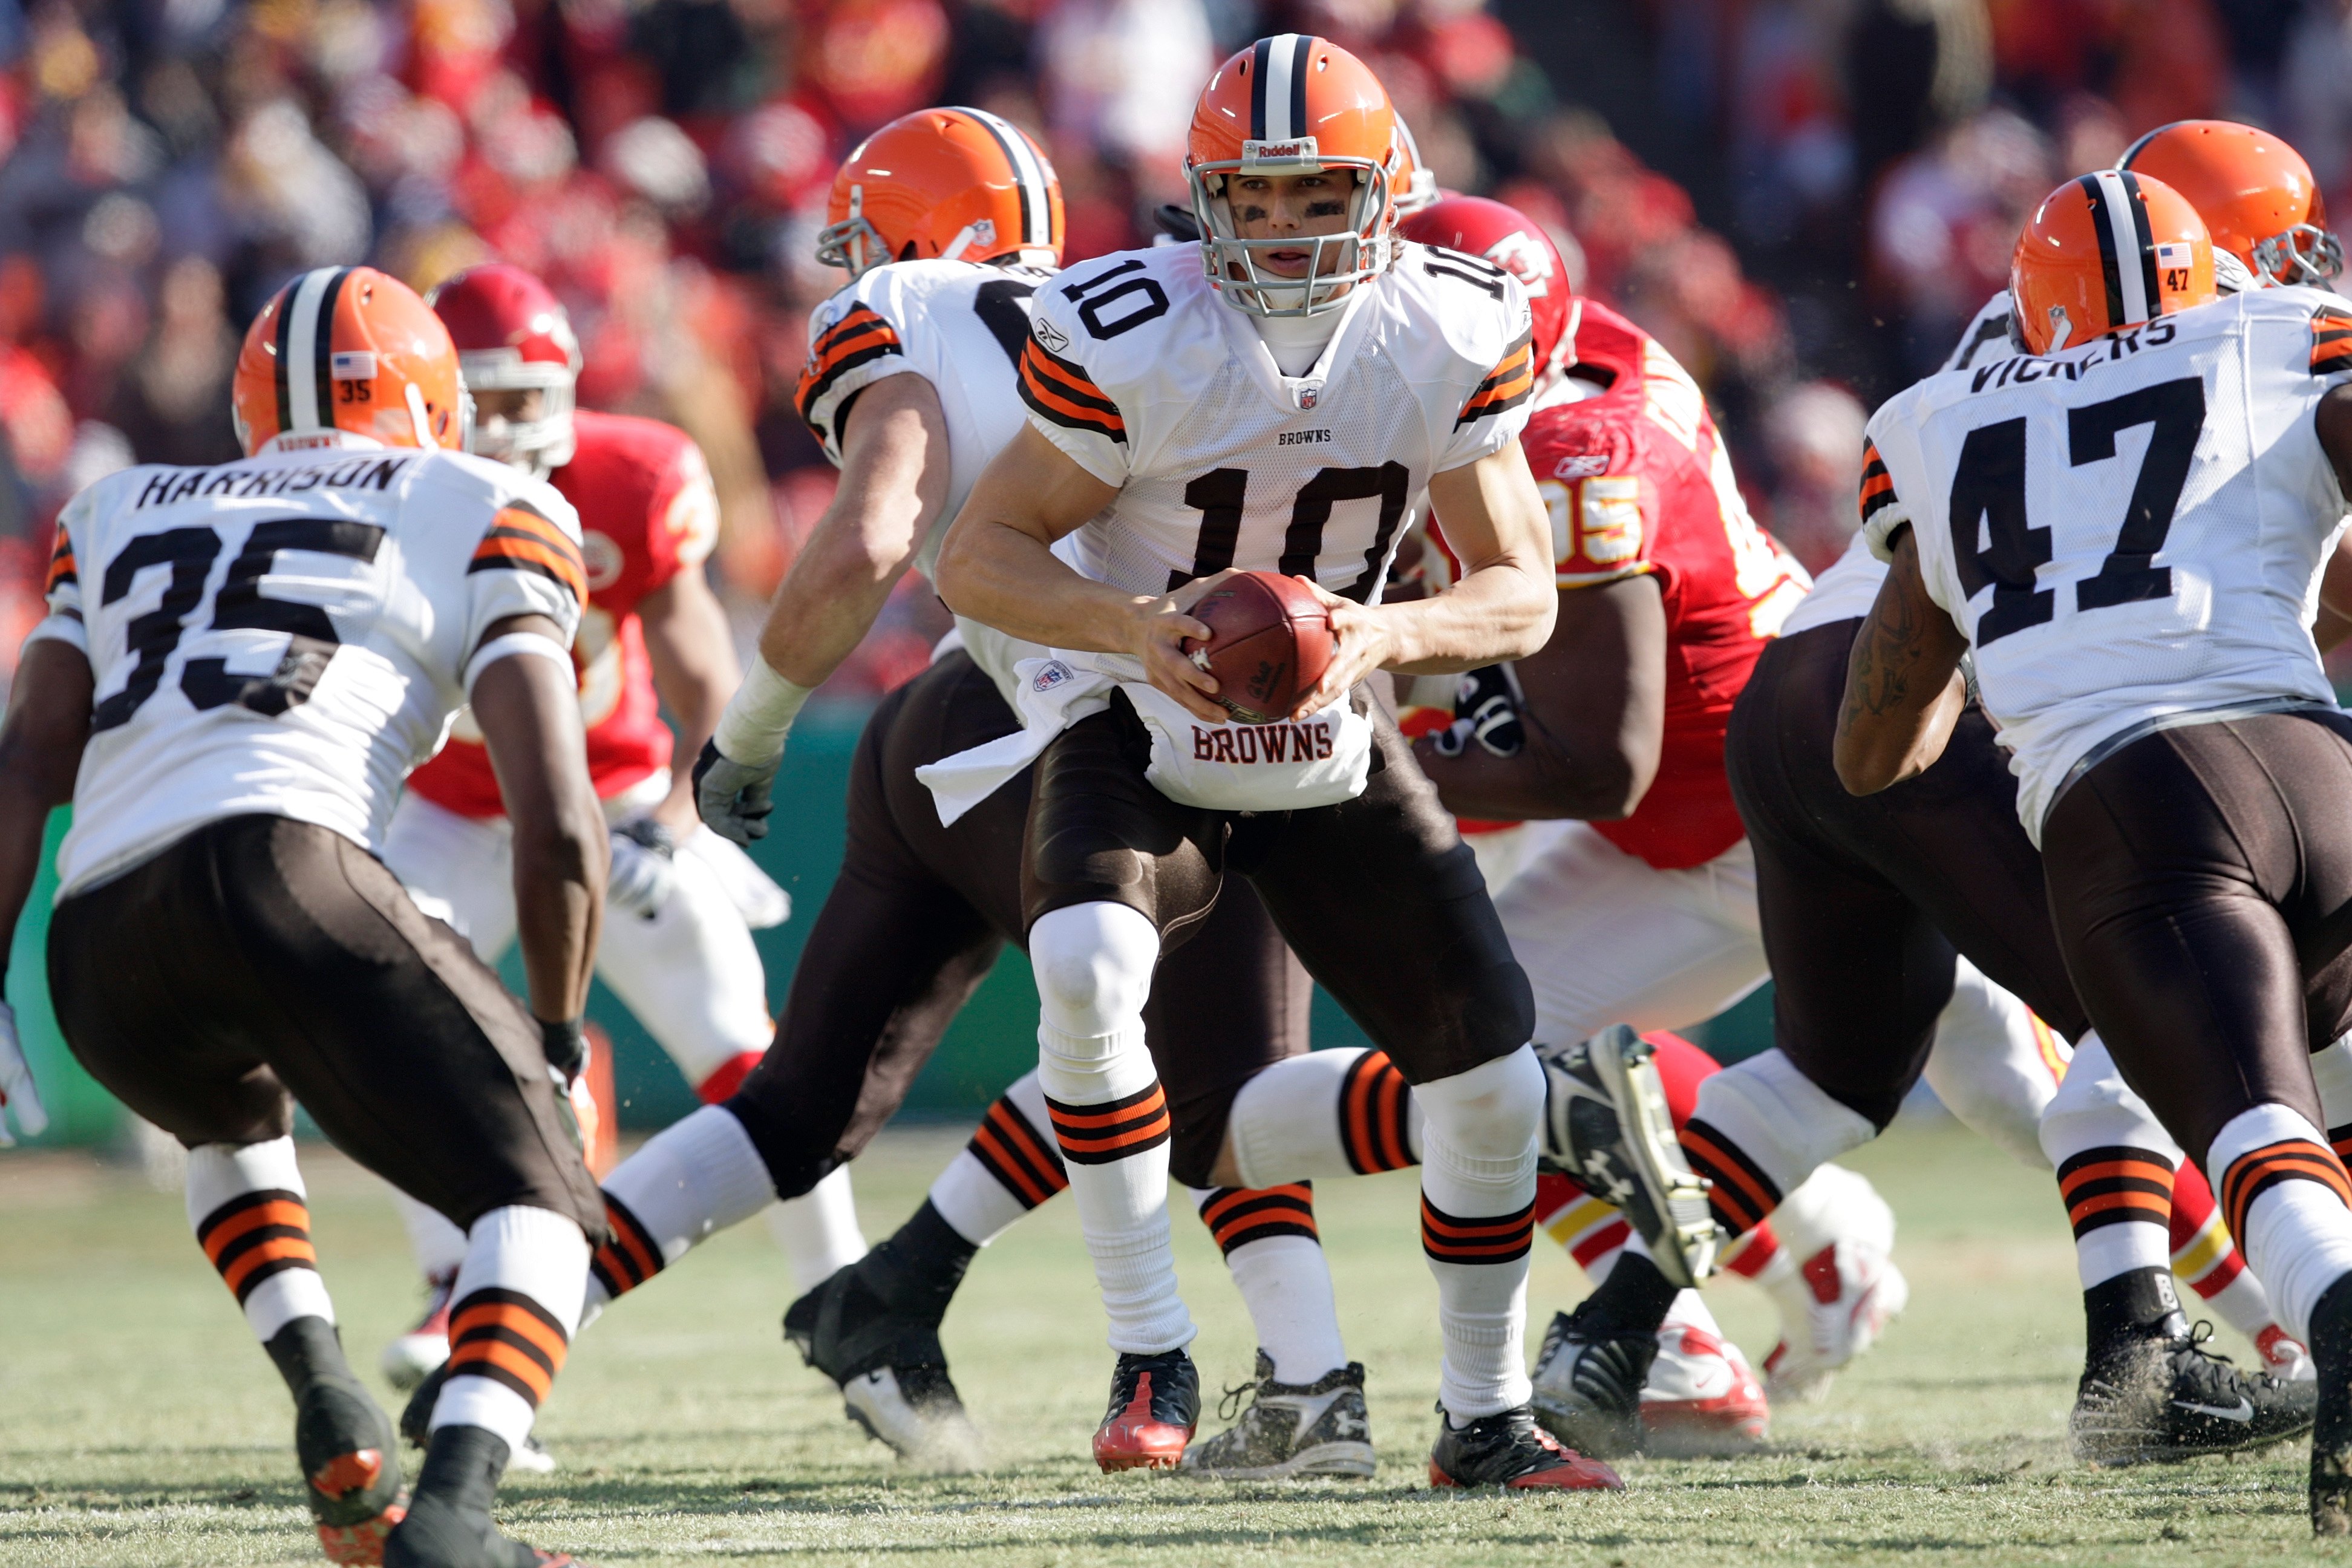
2254,191
1295,104
947,184
1416,181
348,349
2104,252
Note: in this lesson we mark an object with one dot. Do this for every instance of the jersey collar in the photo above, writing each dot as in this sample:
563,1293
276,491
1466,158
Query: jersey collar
1297,394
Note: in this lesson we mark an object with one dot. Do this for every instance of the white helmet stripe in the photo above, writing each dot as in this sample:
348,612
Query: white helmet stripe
301,349
1281,63
1037,208
2129,277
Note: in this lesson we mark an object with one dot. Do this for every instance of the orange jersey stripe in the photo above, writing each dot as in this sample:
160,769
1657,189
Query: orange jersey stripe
531,556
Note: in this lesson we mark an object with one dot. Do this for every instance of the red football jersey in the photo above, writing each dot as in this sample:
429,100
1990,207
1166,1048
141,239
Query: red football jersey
1636,481
647,512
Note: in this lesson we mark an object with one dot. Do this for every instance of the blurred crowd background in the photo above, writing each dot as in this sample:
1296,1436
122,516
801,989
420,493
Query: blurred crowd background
1804,199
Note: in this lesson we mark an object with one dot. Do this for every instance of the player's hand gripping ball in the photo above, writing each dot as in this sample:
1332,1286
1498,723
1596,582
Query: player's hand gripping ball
1270,642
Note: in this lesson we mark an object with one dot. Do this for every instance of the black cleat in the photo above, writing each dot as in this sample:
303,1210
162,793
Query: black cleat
449,1523
891,1368
2331,1436
1155,1406
2155,1398
1508,1449
350,1457
1588,1381
1606,1123
1319,1429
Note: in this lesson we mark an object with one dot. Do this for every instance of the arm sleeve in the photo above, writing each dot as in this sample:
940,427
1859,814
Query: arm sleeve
63,588
1065,405
854,342
527,562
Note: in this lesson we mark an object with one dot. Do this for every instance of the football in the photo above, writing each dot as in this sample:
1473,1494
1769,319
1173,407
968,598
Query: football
1270,642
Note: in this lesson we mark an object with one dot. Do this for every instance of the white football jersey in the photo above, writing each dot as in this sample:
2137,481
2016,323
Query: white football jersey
961,326
286,634
1140,371
2130,531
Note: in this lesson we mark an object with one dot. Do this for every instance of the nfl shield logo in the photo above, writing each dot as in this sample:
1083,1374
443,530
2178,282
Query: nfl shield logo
1310,395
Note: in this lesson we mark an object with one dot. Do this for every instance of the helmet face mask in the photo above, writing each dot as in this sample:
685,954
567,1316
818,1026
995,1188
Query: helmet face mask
2301,253
1288,106
540,445
1335,261
512,335
2255,194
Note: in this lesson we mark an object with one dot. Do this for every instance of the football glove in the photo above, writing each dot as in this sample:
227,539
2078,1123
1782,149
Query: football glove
733,798
643,872
1485,710
17,1095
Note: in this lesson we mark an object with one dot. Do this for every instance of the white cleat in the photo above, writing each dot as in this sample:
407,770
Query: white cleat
1701,1397
1854,1290
915,1411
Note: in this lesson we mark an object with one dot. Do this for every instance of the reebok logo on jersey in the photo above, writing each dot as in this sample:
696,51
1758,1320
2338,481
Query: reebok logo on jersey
1249,743
1052,336
1584,466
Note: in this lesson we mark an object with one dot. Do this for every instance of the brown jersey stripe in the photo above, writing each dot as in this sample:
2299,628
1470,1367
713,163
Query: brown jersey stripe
1877,484
2258,1170
2340,1138
2331,340
529,555
861,337
1494,1238
1375,1115
1507,385
1742,1196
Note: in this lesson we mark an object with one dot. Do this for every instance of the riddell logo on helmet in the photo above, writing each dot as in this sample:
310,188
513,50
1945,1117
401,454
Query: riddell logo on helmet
1299,149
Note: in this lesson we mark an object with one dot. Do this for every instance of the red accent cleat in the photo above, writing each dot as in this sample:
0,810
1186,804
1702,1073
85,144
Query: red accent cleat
1508,1449
1155,1404
361,1545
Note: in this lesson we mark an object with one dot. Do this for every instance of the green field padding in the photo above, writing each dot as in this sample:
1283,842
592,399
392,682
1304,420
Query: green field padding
992,1042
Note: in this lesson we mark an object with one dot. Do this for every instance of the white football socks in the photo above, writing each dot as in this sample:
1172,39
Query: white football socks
1093,965
692,1179
1271,1248
1340,1113
2281,1195
437,1244
1479,1188
1011,1166
818,1230
1781,1119
2107,1147
252,1216
511,1319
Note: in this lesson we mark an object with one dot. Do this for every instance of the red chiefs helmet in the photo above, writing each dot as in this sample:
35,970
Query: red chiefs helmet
1518,243
512,334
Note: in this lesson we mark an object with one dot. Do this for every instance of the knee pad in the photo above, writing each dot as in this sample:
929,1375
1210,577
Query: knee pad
1490,1112
1093,965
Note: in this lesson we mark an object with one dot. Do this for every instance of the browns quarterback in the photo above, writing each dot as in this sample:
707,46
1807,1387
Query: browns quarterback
1281,398
677,951
241,663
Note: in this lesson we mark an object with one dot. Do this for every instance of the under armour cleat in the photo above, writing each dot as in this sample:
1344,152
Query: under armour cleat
449,1523
1286,1429
417,1427
1606,1123
410,1359
891,1371
347,1448
1588,1381
2154,1398
1155,1404
1701,1397
1854,1291
1508,1449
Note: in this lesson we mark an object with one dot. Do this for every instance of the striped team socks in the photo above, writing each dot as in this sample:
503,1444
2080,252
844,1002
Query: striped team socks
2285,1197
1478,1223
1759,1129
512,1318
247,1205
693,1179
1011,1166
2120,1202
1275,1257
2207,1260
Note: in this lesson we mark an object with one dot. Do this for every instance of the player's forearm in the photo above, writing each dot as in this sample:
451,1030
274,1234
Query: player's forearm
1005,577
693,659
529,718
41,743
1502,611
1904,690
838,584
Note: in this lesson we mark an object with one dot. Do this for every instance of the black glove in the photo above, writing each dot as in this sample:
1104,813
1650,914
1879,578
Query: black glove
566,1045
734,799
1487,710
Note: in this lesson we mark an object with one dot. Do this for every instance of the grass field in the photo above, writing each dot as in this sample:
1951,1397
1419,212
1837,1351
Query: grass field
138,1425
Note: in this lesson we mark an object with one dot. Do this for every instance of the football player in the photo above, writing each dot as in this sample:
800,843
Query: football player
678,951
262,650
1283,398
2178,748
1849,885
910,386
